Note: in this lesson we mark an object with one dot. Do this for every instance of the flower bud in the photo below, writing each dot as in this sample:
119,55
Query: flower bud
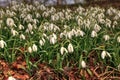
11,78
29,49
70,48
104,54
93,34
118,39
2,44
83,64
10,22
34,47
22,37
106,37
63,50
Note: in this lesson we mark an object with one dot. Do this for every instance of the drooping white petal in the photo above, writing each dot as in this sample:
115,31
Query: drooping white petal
106,37
83,64
93,34
29,49
63,50
70,48
11,78
103,54
10,22
34,47
22,36
2,44
118,39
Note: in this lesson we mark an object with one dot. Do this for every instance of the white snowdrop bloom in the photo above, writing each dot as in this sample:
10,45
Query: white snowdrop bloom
106,37
21,27
65,26
43,39
80,22
73,32
118,39
29,49
44,35
56,28
54,35
102,21
52,40
22,36
80,33
42,42
42,7
14,32
70,48
30,27
108,23
45,14
2,44
109,12
10,22
37,15
53,18
104,54
51,26
29,17
34,47
63,50
93,34
97,28
114,24
69,35
11,78
83,64
61,35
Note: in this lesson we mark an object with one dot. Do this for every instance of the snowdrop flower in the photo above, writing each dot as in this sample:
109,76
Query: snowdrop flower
106,37
11,78
108,23
34,47
54,35
97,28
14,32
42,42
80,33
80,22
93,34
104,54
29,49
21,27
69,35
63,50
10,22
2,44
83,64
52,40
70,48
118,39
42,7
22,37
30,27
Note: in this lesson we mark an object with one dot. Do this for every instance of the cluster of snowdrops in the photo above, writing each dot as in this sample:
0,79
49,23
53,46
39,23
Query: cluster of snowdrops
59,37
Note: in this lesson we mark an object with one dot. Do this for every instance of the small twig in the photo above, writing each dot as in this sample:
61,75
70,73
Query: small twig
112,77
95,73
109,72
